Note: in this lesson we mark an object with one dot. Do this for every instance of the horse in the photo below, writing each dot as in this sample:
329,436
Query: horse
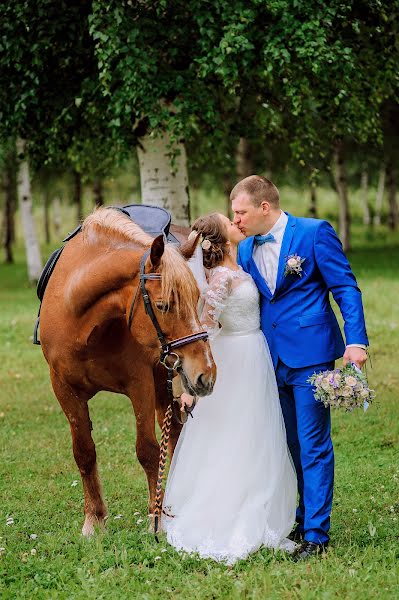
96,334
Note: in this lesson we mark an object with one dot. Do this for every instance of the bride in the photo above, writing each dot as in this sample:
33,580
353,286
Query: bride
232,486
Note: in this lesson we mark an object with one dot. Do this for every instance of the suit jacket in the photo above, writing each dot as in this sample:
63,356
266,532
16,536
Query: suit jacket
297,320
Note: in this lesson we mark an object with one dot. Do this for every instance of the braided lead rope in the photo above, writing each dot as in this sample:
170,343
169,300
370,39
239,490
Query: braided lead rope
162,463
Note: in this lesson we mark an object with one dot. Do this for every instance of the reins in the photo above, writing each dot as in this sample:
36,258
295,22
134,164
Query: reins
166,352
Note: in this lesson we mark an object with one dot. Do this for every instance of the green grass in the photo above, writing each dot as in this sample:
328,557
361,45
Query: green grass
37,472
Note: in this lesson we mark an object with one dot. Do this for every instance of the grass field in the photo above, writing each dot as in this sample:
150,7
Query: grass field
42,552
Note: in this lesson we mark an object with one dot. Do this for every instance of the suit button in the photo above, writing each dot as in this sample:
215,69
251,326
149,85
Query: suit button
274,325
272,301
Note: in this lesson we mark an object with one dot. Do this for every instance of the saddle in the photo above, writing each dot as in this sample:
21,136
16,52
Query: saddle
154,220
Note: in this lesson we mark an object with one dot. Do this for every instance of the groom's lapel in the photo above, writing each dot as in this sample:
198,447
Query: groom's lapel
259,280
285,248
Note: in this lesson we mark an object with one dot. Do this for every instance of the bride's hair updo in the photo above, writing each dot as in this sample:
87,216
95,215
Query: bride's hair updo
212,229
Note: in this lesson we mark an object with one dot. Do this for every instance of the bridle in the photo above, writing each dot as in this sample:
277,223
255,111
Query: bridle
166,352
167,348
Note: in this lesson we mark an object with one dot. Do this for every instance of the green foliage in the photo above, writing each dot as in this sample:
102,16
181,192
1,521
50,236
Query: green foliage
52,96
85,80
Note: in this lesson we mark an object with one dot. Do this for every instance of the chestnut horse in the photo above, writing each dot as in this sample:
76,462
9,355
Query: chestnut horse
86,340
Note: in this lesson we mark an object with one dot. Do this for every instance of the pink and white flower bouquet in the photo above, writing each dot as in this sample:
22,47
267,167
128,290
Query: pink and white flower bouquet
346,388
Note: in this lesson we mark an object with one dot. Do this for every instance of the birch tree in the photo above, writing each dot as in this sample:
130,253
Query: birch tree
33,258
164,177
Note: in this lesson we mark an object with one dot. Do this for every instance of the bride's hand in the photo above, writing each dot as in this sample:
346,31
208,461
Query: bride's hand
185,400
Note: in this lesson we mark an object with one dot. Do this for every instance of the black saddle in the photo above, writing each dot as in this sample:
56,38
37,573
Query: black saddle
154,220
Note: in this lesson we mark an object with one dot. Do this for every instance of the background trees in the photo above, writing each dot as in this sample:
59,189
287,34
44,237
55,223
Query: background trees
303,91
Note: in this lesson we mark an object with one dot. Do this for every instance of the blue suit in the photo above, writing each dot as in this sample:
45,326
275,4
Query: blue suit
304,336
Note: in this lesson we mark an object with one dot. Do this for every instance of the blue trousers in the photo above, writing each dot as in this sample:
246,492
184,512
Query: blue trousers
308,428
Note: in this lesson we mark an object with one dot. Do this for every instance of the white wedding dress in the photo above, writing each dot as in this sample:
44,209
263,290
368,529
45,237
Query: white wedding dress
232,486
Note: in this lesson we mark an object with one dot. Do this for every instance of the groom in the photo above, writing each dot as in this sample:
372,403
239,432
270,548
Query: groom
295,263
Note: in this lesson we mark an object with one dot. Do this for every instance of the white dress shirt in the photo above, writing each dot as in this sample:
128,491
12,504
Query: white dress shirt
266,257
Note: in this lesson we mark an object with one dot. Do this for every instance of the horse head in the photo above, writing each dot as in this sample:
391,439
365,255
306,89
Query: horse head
171,305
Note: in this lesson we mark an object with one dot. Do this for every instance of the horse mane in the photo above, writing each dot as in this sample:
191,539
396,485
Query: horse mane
119,231
111,221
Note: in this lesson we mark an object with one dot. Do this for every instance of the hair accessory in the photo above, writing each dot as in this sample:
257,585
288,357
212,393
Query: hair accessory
193,234
206,244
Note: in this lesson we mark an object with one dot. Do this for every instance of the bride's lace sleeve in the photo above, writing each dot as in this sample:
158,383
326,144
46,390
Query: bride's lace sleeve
215,298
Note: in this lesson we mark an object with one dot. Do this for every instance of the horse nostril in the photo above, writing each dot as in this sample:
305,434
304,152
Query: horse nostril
203,385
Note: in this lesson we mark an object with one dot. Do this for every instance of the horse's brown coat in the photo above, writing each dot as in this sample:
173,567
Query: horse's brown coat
88,346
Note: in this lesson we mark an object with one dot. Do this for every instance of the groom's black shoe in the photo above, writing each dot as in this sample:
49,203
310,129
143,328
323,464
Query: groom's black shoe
307,550
296,536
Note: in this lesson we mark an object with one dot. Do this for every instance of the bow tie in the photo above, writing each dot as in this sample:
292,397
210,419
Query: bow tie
262,239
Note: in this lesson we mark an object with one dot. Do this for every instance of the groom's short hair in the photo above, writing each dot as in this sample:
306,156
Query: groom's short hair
259,189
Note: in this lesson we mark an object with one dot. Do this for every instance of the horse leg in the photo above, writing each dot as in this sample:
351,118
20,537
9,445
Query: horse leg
77,412
142,396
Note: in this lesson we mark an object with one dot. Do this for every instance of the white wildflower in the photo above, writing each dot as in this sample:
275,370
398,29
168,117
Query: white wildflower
372,529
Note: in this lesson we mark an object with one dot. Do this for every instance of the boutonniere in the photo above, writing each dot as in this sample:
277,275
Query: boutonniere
293,265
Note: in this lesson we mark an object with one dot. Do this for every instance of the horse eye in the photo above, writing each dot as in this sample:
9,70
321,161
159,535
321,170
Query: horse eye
162,306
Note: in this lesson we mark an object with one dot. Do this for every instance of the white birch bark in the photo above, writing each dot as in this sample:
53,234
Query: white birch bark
380,196
164,184
364,184
33,258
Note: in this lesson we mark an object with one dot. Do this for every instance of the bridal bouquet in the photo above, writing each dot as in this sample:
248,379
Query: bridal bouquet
342,388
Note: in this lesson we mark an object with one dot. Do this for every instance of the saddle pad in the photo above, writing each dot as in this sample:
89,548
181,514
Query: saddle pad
152,219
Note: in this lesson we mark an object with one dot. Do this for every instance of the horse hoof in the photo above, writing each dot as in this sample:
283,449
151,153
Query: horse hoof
88,528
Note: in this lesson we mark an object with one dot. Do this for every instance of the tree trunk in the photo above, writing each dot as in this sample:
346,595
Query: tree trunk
46,209
164,177
57,215
98,192
34,261
227,187
380,196
393,204
364,185
313,201
342,189
243,159
77,195
10,203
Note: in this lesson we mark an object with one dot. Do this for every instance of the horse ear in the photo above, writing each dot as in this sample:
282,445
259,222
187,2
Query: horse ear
188,248
157,250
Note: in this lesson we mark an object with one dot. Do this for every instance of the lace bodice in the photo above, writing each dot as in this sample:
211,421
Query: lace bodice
231,300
